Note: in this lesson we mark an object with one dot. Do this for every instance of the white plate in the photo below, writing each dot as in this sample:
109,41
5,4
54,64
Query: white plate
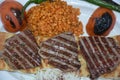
86,11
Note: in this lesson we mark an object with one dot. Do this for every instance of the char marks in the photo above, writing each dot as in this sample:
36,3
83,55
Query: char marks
21,51
61,52
102,54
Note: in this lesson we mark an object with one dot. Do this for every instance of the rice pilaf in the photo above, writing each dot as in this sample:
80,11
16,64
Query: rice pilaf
51,18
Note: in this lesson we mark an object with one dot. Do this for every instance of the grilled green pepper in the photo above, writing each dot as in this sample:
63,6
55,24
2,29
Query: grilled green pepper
105,4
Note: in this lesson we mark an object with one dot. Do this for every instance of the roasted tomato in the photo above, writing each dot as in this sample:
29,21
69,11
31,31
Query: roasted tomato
10,12
101,22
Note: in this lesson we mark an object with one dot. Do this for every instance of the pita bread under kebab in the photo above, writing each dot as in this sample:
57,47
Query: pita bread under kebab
43,63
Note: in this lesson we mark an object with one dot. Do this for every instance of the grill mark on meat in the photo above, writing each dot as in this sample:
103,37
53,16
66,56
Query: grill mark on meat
96,52
65,67
50,53
8,59
19,63
63,48
93,58
22,50
114,54
21,42
28,50
58,50
112,47
27,33
67,37
103,51
87,58
61,42
109,48
102,48
29,38
107,52
112,62
28,43
23,58
82,44
67,41
55,42
62,59
61,55
31,59
91,48
55,60
102,58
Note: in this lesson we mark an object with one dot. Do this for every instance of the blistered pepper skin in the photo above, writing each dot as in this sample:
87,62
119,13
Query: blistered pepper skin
10,13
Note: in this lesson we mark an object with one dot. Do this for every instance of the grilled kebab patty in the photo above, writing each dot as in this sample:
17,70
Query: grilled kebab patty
61,52
21,51
102,54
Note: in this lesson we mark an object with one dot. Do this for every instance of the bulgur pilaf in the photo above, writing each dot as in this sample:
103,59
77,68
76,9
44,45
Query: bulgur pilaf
51,18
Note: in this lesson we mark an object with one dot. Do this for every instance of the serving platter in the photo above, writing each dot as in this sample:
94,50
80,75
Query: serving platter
86,10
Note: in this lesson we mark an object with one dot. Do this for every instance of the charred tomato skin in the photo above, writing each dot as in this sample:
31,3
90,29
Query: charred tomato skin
102,24
96,26
10,13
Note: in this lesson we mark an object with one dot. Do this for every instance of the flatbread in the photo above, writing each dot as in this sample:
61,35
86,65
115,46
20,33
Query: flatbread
3,37
83,70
